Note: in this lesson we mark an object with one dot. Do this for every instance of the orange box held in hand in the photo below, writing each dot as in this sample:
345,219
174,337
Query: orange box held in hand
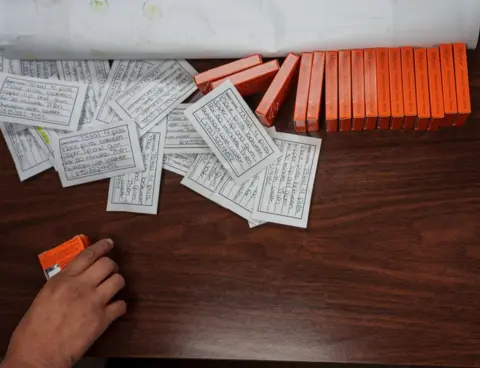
358,90
203,80
315,91
345,90
331,91
253,80
56,259
409,94
273,99
383,89
371,102
396,88
435,85
422,89
463,87
448,84
303,88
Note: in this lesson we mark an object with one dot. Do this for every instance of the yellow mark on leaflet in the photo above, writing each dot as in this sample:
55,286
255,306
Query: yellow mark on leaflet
152,10
43,135
99,5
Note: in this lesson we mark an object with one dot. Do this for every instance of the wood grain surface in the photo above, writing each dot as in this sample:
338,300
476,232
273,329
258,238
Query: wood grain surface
388,270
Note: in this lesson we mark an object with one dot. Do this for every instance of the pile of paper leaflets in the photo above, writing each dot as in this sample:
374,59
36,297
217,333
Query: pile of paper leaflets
91,122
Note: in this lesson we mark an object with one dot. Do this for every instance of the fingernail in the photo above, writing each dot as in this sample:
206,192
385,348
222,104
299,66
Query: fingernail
109,241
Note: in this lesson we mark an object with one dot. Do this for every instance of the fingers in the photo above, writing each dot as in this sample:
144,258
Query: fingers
115,310
89,256
110,287
99,271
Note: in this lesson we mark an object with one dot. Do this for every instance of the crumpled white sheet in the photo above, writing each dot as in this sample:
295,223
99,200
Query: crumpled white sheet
153,29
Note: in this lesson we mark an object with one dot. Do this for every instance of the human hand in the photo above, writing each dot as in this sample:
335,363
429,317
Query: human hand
70,312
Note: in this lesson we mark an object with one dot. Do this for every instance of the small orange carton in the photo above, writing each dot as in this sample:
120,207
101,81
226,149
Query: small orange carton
253,80
56,259
358,90
435,84
273,99
303,88
345,90
315,91
371,103
409,94
463,87
422,89
383,89
448,84
331,91
203,80
396,88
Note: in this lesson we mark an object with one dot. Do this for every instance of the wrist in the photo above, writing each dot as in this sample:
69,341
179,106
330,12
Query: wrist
14,362
28,362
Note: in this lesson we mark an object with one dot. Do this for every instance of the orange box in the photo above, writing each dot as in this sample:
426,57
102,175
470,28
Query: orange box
448,84
56,259
463,87
331,91
345,90
303,90
435,84
358,90
253,80
203,80
396,88
383,89
273,99
371,103
409,94
422,89
315,92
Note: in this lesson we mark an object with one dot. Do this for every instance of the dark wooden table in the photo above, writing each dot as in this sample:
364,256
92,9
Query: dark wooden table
388,270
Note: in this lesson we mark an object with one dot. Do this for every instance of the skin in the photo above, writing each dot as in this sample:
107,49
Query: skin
70,312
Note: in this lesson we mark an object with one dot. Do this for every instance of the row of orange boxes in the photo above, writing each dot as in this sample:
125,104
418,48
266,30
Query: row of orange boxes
385,88
363,89
251,75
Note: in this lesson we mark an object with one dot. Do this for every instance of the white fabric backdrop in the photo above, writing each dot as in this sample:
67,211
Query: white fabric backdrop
132,29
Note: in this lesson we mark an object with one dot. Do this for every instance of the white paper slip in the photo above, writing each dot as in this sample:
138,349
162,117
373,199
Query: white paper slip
123,74
205,175
285,187
30,158
179,163
47,103
253,223
139,192
97,153
45,69
233,132
237,198
181,135
94,74
156,94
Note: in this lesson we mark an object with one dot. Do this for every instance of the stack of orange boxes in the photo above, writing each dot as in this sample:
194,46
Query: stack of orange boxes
204,80
392,88
365,89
